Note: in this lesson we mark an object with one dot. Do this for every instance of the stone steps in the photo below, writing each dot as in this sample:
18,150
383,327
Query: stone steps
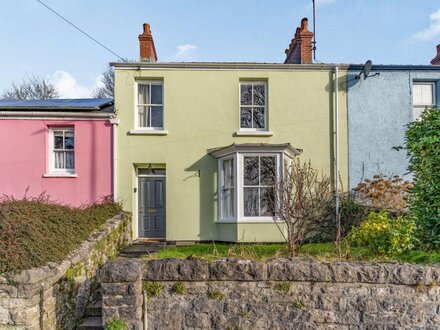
91,323
139,249
93,314
94,309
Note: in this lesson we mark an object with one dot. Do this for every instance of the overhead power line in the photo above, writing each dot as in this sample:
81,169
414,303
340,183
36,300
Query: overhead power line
80,30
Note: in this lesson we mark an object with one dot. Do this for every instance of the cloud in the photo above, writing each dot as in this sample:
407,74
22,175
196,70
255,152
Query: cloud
186,52
68,86
432,31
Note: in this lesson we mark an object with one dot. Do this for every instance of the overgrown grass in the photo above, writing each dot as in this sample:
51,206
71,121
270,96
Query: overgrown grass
34,231
261,252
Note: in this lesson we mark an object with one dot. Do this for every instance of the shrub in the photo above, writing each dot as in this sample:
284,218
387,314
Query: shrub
383,192
423,146
384,235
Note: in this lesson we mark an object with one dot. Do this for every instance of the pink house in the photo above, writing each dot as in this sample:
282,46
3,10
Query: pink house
62,147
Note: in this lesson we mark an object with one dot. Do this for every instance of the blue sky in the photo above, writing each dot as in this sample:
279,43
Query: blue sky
35,41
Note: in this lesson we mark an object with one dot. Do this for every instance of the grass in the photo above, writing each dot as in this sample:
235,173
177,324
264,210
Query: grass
35,231
261,252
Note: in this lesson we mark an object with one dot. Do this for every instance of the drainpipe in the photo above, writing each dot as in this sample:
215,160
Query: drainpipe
336,147
115,123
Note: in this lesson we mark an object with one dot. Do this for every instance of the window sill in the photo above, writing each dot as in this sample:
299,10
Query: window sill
60,175
253,221
253,133
147,132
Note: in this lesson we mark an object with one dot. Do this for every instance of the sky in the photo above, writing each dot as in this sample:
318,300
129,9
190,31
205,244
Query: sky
34,41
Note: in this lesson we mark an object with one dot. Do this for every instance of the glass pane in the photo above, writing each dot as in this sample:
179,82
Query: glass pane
156,94
59,159
143,116
70,159
267,171
427,98
228,203
258,118
69,140
245,94
143,92
417,94
228,177
259,95
58,140
246,117
250,171
250,202
266,200
156,117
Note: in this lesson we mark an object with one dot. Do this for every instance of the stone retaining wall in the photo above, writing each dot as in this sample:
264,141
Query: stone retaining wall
277,294
55,296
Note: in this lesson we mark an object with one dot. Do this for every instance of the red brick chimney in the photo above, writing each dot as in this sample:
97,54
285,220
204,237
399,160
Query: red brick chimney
436,59
300,48
146,45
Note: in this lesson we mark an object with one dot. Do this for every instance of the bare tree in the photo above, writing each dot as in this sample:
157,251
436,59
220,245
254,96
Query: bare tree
301,198
108,88
31,87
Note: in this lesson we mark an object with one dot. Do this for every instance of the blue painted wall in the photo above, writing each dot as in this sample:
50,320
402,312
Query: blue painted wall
378,110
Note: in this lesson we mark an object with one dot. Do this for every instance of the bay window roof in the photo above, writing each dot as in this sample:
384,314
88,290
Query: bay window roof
285,148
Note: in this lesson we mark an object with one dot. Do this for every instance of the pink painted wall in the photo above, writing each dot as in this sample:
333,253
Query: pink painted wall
24,159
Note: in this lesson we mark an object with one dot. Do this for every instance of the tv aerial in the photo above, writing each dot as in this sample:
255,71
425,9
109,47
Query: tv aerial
367,70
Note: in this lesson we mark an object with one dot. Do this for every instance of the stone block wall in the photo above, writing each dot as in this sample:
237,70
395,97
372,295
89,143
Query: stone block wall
277,294
55,296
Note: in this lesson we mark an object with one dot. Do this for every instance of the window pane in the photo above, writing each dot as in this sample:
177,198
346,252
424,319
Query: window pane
69,140
417,94
250,202
246,117
258,118
143,91
143,116
259,95
156,94
250,171
58,140
267,171
156,117
228,177
266,200
245,94
70,159
228,203
59,159
427,98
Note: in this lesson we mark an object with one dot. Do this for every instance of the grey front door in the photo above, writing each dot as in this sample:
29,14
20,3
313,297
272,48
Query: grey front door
151,207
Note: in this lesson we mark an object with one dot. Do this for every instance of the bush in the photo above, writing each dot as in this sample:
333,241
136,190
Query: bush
384,235
423,146
116,324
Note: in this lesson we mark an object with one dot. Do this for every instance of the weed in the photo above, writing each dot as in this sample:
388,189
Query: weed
298,304
216,295
116,324
282,286
153,289
178,287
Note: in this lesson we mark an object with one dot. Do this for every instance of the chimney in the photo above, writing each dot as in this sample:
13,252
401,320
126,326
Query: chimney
146,46
300,48
436,59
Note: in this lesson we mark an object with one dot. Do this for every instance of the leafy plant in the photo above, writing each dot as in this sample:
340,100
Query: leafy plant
423,147
298,304
384,235
116,324
282,286
178,287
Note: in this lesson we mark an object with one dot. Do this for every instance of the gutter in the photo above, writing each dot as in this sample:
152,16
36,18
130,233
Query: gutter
115,123
336,147
52,114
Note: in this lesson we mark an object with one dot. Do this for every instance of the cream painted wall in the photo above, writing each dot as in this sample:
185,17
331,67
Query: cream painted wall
201,111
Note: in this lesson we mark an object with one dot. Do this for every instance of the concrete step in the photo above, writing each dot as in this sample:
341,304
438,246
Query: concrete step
142,248
91,323
94,309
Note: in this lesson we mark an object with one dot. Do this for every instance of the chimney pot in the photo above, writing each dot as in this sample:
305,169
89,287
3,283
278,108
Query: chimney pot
146,45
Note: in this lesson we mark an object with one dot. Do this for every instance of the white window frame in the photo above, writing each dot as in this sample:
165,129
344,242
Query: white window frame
52,169
266,123
136,107
421,107
239,185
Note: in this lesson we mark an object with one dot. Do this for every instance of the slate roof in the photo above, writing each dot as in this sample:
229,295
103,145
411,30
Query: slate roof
90,104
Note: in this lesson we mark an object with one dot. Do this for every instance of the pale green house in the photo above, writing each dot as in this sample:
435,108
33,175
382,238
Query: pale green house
194,140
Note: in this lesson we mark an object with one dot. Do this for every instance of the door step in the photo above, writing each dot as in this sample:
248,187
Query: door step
91,323
141,248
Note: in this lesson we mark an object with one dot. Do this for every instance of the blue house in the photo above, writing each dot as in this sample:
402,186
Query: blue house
379,108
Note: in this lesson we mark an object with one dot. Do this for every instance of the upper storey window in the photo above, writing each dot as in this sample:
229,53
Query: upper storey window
149,105
423,97
253,106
